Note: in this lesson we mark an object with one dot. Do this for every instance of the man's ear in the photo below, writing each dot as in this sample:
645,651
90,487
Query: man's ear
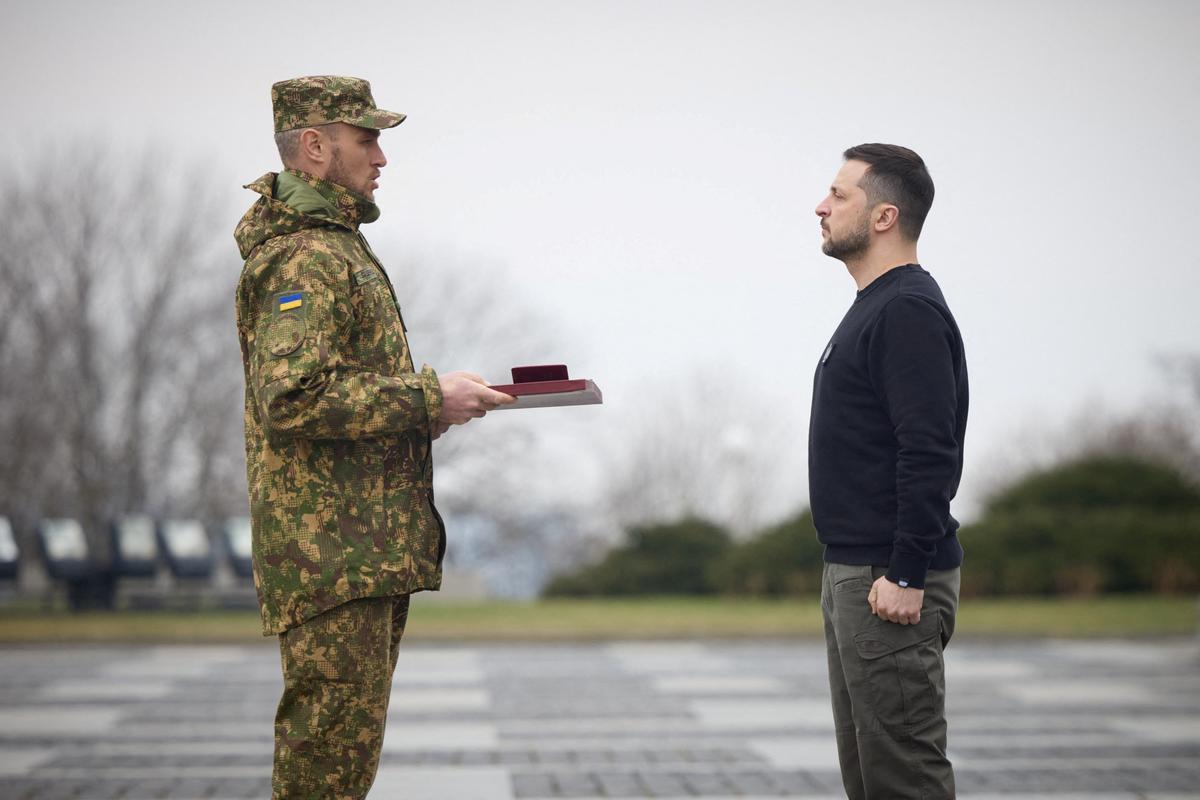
313,146
886,217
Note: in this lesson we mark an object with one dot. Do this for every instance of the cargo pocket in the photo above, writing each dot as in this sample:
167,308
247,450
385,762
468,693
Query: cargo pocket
903,666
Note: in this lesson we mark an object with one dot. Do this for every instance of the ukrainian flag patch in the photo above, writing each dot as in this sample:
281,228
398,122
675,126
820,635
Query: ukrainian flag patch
290,301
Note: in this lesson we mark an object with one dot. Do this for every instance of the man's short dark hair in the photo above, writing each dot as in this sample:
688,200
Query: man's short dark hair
897,176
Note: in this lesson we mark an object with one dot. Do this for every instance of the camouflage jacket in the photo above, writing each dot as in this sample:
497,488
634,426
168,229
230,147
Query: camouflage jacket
337,419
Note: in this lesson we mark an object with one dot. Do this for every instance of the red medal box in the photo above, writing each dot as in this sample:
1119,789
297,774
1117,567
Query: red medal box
547,385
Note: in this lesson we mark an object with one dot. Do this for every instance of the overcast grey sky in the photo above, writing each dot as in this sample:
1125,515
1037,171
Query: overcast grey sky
645,172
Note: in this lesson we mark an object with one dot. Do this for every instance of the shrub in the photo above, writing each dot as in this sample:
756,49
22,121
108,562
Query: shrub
1098,482
673,558
785,559
1100,524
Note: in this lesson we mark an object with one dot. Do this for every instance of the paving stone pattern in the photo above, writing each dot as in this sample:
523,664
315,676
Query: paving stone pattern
1109,720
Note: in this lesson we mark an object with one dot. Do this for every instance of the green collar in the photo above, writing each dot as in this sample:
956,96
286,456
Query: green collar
319,198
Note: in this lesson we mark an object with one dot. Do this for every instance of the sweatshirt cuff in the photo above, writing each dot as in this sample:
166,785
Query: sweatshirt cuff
907,569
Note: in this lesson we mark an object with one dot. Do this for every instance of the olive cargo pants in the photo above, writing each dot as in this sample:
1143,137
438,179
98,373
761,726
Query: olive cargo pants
337,679
888,686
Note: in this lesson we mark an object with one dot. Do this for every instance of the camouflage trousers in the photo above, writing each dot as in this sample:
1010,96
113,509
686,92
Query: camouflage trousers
337,676
889,687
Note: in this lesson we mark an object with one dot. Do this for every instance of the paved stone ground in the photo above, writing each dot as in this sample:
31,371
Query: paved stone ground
672,719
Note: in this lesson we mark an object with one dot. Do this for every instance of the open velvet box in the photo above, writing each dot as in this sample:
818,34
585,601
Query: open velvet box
548,385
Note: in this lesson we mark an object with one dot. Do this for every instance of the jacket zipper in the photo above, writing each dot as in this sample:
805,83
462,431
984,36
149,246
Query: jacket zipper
427,465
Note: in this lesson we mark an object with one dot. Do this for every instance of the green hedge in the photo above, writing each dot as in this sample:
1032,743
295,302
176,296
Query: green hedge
693,557
673,558
1040,551
783,560
1094,482
1097,524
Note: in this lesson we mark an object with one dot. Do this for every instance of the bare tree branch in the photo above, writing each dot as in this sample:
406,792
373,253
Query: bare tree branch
103,260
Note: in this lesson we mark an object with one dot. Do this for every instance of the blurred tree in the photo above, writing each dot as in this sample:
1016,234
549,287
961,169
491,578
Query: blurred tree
1100,482
785,559
706,447
1095,524
665,559
1165,429
121,383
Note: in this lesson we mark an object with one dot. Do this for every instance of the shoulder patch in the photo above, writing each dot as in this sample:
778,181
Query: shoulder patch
290,301
286,334
293,301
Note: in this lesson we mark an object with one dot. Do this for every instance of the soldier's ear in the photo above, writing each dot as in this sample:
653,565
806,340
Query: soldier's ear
313,146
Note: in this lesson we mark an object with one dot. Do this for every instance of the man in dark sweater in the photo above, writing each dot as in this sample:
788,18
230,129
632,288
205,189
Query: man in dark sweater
885,451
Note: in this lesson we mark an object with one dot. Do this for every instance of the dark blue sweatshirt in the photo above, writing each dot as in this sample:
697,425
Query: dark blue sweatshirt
885,443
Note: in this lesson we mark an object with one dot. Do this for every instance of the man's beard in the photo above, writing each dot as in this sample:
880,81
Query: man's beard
854,243
337,173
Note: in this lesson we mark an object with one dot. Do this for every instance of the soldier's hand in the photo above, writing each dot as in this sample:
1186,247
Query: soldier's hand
466,396
439,428
900,604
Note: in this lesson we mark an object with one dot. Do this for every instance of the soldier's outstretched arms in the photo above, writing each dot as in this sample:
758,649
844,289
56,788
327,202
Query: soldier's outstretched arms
309,332
466,396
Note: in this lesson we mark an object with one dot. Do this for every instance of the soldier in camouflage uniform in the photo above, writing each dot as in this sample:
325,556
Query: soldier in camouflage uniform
339,429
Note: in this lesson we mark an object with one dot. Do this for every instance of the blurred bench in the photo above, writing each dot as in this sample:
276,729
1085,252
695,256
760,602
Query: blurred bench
9,560
136,563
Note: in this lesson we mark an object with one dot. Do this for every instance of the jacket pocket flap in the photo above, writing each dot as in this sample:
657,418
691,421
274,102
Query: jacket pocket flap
884,638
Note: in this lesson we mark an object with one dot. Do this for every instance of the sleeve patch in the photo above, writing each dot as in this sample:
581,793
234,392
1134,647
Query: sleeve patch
286,334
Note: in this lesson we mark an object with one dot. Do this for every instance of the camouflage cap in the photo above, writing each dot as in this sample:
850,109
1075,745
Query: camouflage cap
321,99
